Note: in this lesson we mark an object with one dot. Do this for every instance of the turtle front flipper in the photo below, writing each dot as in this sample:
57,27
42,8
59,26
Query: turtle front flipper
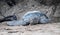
16,23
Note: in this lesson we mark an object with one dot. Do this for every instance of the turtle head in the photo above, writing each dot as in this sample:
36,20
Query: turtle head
44,19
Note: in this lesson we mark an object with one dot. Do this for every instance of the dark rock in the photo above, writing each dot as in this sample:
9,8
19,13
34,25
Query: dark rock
8,18
48,2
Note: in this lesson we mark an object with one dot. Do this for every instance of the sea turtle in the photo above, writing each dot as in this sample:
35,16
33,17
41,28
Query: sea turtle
31,17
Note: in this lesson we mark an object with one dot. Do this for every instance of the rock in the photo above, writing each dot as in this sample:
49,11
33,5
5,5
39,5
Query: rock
48,2
57,13
3,8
